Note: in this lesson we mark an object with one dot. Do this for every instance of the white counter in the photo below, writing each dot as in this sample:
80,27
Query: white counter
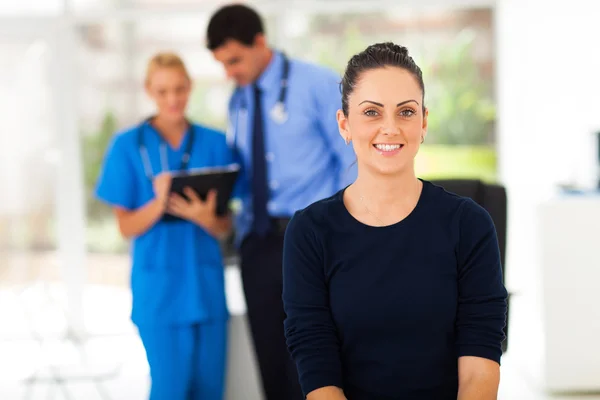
561,318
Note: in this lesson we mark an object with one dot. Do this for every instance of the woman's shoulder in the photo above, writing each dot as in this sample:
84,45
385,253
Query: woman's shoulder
124,139
446,203
209,132
318,215
441,197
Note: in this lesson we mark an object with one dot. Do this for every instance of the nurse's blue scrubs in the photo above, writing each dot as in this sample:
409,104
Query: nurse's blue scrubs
177,276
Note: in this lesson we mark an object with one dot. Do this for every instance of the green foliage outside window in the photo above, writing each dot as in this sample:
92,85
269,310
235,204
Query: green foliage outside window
460,141
94,149
462,111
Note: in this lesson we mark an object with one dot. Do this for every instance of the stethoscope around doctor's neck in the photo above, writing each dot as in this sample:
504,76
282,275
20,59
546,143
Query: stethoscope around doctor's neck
278,112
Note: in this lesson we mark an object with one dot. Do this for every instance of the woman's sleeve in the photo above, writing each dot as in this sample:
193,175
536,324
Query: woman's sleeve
116,183
309,329
481,314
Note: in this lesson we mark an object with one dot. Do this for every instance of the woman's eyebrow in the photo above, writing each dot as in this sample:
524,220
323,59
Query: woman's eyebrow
381,105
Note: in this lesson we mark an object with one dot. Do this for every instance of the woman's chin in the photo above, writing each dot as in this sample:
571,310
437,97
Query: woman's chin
173,116
390,168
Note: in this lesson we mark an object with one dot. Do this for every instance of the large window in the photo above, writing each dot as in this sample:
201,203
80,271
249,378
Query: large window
27,160
455,49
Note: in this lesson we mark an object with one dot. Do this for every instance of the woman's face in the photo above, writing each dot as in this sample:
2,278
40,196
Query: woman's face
170,89
385,120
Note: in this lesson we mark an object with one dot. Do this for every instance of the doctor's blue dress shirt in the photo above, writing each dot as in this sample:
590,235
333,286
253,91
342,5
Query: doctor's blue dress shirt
177,275
307,159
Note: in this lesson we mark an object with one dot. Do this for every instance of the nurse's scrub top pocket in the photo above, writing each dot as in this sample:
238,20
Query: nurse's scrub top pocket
177,268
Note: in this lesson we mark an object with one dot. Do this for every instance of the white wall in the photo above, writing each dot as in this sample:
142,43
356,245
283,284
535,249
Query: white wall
569,232
549,88
548,74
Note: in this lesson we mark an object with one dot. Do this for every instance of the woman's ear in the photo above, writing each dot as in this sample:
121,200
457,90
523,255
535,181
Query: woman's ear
425,123
342,121
147,88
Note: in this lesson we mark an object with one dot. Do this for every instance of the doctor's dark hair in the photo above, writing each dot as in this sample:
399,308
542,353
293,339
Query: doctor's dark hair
233,22
375,56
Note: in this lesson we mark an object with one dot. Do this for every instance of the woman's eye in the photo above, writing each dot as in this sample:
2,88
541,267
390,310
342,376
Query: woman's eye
371,113
407,113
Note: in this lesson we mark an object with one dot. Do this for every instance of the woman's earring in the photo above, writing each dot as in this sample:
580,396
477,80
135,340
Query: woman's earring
347,141
422,139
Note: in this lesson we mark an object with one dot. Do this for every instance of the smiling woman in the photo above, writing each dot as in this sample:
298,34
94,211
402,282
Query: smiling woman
429,321
384,116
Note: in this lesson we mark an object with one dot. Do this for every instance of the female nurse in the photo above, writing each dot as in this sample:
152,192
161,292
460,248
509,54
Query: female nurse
177,276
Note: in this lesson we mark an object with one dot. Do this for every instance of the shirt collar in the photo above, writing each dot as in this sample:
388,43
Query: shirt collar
272,74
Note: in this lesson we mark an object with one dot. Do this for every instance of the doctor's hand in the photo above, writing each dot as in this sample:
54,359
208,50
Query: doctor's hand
203,213
161,185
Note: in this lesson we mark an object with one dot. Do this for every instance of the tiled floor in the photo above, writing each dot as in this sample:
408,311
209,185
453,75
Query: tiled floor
33,344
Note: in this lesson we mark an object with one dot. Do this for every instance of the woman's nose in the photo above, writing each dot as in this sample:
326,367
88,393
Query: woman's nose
390,126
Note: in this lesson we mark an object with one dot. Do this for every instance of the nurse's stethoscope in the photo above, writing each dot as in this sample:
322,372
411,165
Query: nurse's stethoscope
164,162
278,113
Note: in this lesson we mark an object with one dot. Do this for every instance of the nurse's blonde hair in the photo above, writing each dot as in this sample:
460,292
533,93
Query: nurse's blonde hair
165,60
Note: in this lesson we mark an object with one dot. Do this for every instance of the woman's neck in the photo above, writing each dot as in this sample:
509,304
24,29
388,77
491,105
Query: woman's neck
171,131
387,198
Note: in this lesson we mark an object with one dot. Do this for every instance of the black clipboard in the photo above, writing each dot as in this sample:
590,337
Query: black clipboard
203,180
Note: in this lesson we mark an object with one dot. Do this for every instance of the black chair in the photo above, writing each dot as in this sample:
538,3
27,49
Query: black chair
493,198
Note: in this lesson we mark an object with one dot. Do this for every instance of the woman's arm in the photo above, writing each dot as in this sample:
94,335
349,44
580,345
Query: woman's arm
118,186
478,378
219,227
135,223
201,212
309,329
481,313
327,393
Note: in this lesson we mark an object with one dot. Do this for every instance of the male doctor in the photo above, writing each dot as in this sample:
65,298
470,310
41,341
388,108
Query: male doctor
284,130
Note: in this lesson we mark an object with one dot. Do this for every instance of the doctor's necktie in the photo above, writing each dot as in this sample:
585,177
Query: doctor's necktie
260,191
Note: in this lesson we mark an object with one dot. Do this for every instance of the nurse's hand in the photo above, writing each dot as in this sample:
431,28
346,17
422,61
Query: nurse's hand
203,213
162,185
